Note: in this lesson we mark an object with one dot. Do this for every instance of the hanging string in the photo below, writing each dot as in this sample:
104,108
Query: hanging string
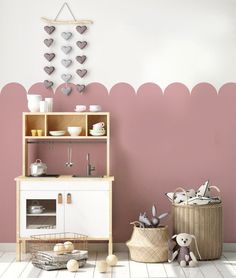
62,7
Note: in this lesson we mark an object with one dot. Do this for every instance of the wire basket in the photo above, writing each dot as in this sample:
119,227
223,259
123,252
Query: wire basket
46,242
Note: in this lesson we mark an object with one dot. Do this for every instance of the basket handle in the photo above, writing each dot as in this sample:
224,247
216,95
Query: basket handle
183,190
137,222
217,189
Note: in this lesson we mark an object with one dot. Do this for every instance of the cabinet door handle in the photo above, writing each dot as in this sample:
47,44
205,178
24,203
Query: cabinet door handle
59,198
68,199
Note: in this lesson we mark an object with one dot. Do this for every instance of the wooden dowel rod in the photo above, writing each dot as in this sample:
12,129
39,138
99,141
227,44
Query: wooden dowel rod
76,22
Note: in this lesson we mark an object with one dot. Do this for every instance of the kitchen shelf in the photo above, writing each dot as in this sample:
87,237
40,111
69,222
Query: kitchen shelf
53,213
53,121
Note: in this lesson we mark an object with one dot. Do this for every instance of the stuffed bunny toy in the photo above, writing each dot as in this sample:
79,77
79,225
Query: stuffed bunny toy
184,255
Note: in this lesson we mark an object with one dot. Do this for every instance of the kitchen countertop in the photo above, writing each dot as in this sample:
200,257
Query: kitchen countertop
65,177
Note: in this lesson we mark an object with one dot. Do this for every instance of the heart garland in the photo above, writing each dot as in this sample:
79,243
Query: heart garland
66,90
49,70
81,59
66,35
49,56
66,63
49,29
82,72
66,77
48,84
48,42
80,88
81,29
66,49
81,44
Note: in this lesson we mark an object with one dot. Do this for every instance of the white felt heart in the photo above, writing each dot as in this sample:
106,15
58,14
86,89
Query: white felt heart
66,90
66,49
66,35
66,62
66,77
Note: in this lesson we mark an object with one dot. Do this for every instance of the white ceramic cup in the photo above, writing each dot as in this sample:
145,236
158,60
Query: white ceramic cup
49,102
95,108
43,106
98,126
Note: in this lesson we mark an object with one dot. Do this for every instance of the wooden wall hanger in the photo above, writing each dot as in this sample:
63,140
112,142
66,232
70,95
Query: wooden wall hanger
74,21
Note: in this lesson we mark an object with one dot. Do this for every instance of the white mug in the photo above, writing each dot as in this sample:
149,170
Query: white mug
98,126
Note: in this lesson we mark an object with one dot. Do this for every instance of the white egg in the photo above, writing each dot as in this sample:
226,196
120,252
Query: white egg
72,265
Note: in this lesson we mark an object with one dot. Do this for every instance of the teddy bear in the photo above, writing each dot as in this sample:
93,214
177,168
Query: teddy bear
182,252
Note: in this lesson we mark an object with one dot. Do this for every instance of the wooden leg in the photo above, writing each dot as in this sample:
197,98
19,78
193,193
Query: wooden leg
110,247
18,251
23,247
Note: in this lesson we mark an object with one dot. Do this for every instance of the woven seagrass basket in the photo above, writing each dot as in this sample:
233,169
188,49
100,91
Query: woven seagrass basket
203,221
148,245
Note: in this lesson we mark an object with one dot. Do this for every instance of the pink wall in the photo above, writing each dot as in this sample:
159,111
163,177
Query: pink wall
160,140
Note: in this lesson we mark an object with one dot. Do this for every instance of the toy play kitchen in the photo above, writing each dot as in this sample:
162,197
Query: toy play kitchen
64,203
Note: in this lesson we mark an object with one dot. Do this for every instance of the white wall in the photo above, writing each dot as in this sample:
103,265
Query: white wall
132,41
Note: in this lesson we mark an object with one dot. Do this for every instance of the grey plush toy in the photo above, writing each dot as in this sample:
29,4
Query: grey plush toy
155,221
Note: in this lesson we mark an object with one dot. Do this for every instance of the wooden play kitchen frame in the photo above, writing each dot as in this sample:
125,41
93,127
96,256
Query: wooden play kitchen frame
65,196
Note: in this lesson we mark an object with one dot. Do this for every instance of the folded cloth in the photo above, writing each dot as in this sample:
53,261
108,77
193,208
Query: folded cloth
51,257
55,266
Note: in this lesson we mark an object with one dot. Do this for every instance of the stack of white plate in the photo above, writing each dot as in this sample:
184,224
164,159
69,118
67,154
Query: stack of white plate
57,133
97,132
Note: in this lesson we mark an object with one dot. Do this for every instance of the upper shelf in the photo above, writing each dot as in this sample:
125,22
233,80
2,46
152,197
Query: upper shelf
54,121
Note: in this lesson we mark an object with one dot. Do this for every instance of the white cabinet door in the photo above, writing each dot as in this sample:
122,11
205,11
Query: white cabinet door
88,213
51,220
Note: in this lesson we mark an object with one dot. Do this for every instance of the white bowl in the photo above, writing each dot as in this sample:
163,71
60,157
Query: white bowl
74,130
80,108
97,133
57,132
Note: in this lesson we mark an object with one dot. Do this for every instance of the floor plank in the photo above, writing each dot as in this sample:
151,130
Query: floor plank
193,272
121,270
156,270
138,270
30,271
100,257
209,270
88,270
174,270
225,267
15,269
6,260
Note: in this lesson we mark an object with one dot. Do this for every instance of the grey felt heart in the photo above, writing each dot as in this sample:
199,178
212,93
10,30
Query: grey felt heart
81,59
49,70
49,56
82,44
66,35
82,72
66,77
66,90
80,88
48,42
66,63
48,84
81,29
66,49
49,29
